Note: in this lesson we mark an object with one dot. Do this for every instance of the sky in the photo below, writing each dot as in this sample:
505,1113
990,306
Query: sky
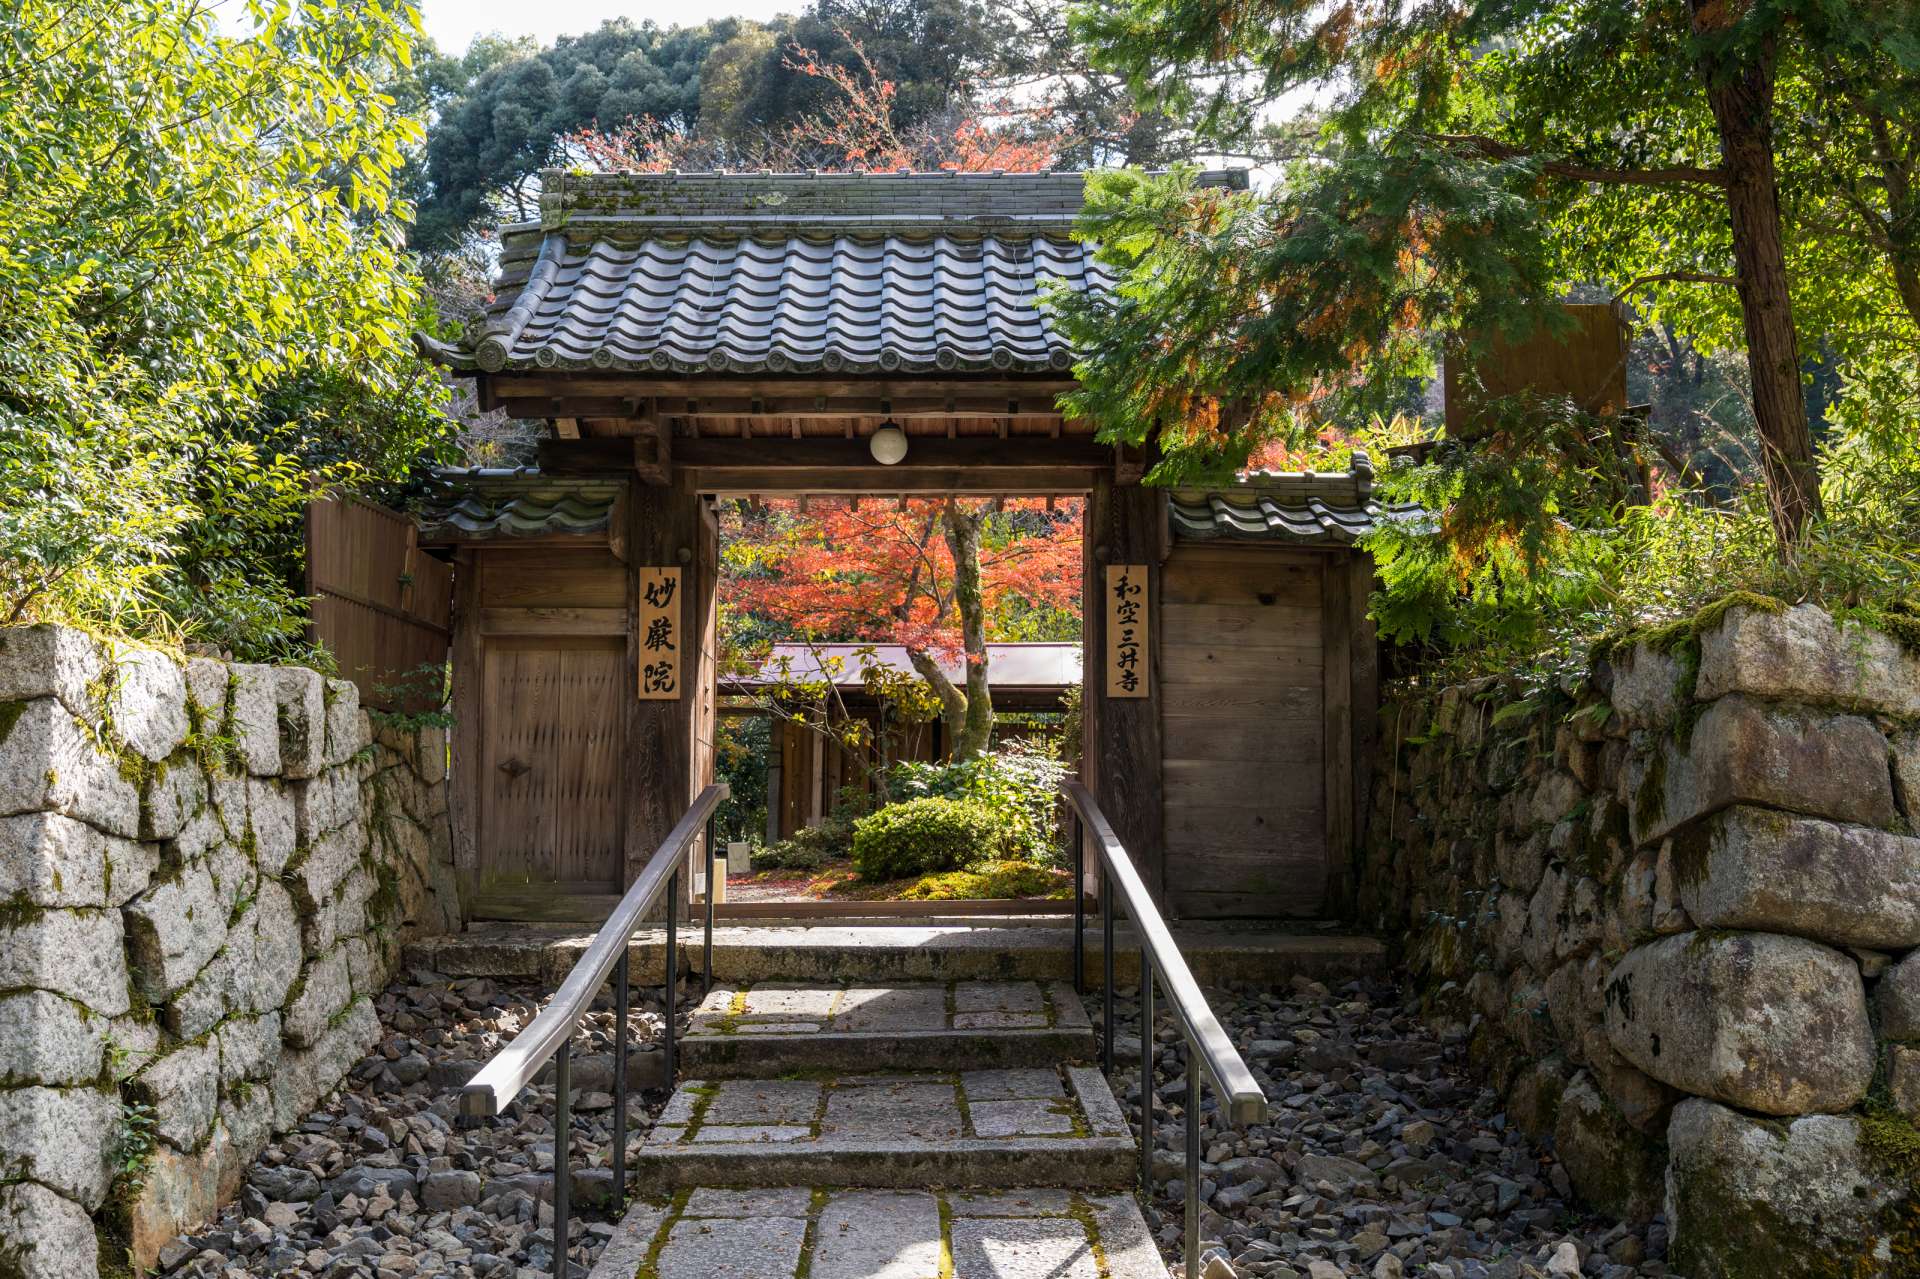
454,23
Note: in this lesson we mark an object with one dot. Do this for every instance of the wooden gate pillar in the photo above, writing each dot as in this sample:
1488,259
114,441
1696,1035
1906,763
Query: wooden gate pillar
1126,524
669,740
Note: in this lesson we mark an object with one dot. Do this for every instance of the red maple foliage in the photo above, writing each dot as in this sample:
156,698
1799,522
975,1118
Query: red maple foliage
881,571
861,134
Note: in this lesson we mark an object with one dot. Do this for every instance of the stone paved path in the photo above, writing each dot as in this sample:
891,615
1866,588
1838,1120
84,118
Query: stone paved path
809,1163
798,1231
772,1027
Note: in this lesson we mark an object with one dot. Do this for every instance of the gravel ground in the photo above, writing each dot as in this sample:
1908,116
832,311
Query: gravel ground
384,1182
1383,1158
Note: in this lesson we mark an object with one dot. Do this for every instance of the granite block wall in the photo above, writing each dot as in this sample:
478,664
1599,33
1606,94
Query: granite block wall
206,872
1675,909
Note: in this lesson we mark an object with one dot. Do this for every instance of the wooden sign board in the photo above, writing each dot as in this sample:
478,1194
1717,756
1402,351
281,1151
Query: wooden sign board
1587,363
1127,604
659,646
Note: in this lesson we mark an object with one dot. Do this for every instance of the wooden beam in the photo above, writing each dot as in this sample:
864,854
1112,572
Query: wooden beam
1003,481
915,406
553,621
575,406
679,389
728,464
923,452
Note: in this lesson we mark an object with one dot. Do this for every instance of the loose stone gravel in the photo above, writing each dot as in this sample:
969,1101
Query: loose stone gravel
1381,1156
383,1182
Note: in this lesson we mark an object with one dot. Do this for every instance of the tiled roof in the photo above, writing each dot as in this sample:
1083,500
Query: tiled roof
1008,665
1298,508
840,273
482,502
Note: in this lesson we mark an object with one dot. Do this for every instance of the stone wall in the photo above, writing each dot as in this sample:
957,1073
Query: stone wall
206,871
1675,909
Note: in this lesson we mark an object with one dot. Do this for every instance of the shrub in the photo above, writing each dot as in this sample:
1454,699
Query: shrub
922,836
1019,786
809,848
1000,881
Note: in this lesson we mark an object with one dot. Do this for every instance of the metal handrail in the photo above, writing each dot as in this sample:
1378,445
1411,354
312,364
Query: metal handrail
546,1038
1207,1043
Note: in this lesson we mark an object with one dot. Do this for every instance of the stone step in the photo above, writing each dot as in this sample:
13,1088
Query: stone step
1035,1126
802,1232
766,1029
911,950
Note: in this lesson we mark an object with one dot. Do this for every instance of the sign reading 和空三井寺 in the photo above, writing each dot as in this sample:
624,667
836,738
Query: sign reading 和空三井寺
659,621
1126,597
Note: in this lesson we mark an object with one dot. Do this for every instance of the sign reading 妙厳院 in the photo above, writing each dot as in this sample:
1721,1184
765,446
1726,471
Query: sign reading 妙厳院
659,622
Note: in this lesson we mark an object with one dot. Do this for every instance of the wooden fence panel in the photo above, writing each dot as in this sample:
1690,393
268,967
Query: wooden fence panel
382,606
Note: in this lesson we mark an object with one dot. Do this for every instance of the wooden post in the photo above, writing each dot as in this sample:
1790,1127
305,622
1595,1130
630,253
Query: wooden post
1336,652
1366,728
1121,759
665,529
469,723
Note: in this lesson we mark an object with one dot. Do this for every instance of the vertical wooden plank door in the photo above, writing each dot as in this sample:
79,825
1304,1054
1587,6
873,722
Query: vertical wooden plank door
1242,666
551,776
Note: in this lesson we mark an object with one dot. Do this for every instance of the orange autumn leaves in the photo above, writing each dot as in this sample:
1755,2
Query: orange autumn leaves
882,571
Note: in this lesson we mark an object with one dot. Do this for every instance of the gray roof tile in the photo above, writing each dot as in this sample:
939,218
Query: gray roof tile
480,502
1304,509
787,273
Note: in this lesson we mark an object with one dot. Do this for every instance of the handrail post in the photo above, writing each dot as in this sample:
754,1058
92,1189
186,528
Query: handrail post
562,1156
620,999
1079,903
673,970
1106,990
1193,1162
706,961
1146,1073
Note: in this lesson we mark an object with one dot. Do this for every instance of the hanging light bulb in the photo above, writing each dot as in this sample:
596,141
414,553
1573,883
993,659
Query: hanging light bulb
888,444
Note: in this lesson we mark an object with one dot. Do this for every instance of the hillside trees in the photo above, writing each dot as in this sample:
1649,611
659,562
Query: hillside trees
495,133
1481,159
202,301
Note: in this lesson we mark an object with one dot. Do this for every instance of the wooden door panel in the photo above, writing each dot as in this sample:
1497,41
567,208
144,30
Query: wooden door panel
550,774
1243,706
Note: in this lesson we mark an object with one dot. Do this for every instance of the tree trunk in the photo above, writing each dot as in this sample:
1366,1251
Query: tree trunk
953,702
1740,91
963,540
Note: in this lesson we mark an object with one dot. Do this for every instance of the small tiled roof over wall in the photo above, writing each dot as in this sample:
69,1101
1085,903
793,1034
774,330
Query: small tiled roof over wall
787,273
480,502
1332,508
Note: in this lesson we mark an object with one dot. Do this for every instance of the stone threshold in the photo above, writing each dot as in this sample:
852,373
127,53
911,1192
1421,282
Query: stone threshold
896,951
771,1028
1034,1126
803,1232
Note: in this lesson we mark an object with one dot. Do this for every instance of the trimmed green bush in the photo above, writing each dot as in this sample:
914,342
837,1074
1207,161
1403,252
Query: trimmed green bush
1019,785
922,836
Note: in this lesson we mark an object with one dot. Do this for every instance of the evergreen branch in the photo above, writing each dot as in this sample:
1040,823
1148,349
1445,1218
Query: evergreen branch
1671,175
1675,277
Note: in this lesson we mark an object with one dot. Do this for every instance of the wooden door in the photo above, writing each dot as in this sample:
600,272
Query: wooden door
1242,667
551,774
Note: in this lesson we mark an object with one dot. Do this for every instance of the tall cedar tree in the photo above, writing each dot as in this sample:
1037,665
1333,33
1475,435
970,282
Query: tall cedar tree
933,576
1478,159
